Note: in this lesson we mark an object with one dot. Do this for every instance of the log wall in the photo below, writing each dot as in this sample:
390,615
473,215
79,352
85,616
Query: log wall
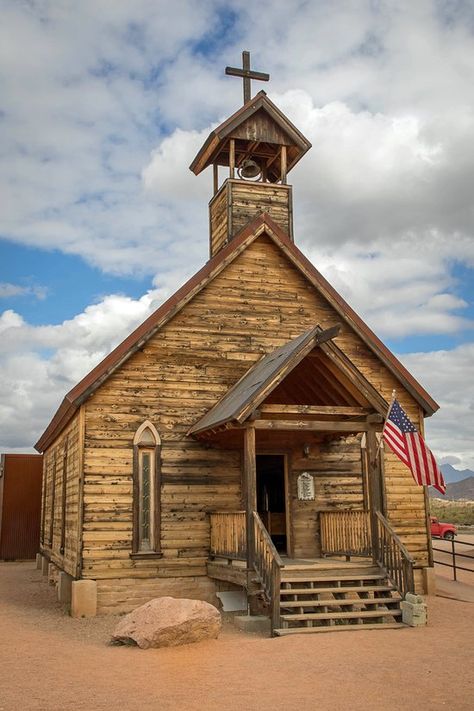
256,304
338,485
71,442
239,201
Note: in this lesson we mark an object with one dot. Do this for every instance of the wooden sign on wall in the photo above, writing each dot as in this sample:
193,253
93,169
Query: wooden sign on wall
305,487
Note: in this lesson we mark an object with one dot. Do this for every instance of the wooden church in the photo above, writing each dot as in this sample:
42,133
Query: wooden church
232,441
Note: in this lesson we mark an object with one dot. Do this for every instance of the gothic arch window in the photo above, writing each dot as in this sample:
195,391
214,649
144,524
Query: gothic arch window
146,491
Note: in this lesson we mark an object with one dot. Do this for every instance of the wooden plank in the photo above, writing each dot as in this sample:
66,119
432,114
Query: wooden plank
311,425
312,410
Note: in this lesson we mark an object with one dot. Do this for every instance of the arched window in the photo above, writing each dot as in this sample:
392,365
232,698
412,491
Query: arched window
146,491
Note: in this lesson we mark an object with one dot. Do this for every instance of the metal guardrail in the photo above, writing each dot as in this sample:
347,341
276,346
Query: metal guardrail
455,555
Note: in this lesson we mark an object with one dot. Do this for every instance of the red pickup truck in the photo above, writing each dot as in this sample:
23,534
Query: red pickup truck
442,530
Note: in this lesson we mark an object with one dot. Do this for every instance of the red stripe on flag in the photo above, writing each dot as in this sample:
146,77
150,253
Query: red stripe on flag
400,454
413,456
393,441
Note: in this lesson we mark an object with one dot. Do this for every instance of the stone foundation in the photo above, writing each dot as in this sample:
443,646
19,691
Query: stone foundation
125,594
84,598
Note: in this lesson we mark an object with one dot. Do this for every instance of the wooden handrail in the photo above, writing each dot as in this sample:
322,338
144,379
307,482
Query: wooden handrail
266,537
268,565
345,533
228,534
394,556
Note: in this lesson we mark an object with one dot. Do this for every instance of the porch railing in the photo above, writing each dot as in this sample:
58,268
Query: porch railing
394,557
268,566
345,533
228,534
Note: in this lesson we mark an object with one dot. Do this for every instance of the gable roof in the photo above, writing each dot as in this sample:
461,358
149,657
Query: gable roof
215,144
261,379
262,223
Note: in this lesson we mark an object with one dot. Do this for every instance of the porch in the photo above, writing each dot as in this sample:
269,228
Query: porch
359,581
307,423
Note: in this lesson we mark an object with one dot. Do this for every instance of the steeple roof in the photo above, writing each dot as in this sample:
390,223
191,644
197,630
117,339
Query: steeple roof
259,128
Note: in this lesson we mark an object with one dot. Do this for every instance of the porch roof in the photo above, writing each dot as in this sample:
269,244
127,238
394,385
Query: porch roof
247,394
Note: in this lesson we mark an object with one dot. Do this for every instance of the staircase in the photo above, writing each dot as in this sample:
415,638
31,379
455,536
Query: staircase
336,600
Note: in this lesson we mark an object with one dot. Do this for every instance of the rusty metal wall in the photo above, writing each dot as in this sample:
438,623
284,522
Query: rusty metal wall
20,505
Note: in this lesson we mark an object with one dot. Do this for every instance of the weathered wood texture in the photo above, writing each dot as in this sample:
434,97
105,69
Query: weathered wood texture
338,486
228,534
256,304
345,533
61,506
260,127
238,201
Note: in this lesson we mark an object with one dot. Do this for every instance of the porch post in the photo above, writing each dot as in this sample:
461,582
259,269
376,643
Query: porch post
375,494
250,482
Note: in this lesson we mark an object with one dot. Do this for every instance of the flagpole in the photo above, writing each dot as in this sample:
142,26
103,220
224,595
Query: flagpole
394,395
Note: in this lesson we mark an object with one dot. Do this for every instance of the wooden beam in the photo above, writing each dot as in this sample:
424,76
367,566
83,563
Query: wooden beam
232,157
375,418
314,410
215,173
340,362
312,425
373,476
291,362
283,165
250,481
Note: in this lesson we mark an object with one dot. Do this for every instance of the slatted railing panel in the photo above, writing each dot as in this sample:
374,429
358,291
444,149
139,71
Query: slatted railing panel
394,557
228,534
345,533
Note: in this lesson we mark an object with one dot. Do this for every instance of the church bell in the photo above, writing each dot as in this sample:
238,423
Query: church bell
249,169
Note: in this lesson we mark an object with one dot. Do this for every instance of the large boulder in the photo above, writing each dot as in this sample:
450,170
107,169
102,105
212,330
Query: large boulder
168,622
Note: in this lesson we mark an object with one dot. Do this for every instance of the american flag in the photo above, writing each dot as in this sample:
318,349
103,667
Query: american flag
409,446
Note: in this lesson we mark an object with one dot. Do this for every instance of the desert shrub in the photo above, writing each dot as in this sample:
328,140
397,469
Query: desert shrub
459,512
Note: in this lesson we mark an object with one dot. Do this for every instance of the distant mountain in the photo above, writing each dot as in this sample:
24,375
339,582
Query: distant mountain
461,489
452,475
456,490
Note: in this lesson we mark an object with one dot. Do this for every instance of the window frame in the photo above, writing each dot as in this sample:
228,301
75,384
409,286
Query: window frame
141,446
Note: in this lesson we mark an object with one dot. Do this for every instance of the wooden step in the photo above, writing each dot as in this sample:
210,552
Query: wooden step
336,589
309,577
339,628
341,602
329,568
339,615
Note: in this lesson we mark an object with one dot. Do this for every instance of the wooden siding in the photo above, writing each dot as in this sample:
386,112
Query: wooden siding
263,128
218,221
338,485
258,303
53,472
238,201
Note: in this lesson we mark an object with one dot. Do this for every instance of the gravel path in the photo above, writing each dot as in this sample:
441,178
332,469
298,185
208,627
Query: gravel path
51,662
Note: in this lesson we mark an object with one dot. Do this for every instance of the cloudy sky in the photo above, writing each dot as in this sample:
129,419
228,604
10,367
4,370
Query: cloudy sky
103,104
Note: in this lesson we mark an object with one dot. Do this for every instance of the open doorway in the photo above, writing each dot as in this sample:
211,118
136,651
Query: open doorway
271,500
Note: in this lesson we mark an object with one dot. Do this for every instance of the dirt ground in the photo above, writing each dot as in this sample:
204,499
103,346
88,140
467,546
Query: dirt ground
52,662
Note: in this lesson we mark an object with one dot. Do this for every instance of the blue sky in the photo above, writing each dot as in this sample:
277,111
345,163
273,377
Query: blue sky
101,218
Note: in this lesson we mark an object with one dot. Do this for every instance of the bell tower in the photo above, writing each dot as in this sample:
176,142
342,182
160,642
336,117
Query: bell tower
258,145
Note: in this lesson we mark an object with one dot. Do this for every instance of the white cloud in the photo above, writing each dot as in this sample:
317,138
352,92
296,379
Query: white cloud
108,106
39,364
8,290
449,377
